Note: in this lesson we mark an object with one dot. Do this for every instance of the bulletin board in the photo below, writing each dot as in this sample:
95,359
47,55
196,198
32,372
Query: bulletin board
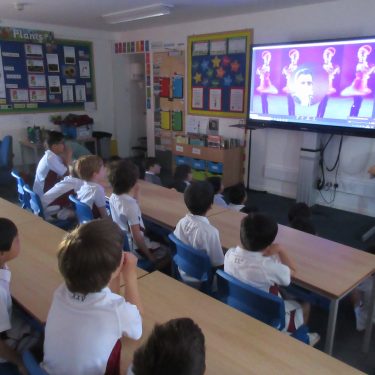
41,74
218,73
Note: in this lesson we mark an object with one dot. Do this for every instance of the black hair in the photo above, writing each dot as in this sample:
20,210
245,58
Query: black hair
181,172
303,224
173,348
54,138
299,209
257,232
237,194
123,175
199,197
8,232
215,181
150,162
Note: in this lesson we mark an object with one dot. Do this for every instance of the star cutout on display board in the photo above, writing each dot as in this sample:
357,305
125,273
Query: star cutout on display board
227,81
210,72
225,61
216,62
204,64
239,78
220,72
215,82
198,77
234,66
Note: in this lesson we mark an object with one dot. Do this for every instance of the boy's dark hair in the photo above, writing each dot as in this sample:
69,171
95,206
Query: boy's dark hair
175,347
370,249
89,255
8,232
237,194
181,172
215,181
123,175
54,138
303,224
300,209
87,165
258,231
150,162
199,197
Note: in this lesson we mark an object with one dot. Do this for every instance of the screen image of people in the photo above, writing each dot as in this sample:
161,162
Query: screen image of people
329,83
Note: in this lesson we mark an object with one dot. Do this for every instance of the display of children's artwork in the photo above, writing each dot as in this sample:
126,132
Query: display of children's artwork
218,73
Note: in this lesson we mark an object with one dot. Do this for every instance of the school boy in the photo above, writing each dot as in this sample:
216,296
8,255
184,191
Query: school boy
14,335
265,265
182,178
152,171
175,347
195,229
218,187
237,198
54,164
87,320
91,170
125,211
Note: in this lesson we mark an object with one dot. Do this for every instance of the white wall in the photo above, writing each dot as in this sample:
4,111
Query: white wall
275,153
16,125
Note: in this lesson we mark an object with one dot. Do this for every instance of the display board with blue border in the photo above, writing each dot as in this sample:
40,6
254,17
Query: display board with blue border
41,74
218,73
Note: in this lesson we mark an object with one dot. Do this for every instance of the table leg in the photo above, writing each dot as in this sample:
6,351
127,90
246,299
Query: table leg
333,307
367,338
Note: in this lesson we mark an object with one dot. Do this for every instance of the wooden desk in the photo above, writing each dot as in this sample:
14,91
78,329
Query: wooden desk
235,342
16,213
325,267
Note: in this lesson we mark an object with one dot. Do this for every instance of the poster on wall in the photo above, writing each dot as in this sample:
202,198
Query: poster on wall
218,73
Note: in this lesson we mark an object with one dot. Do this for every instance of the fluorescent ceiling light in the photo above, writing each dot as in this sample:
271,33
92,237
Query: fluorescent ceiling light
140,13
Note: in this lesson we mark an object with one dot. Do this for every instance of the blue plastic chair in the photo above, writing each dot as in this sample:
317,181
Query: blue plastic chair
23,197
37,209
6,160
194,262
32,366
261,305
83,211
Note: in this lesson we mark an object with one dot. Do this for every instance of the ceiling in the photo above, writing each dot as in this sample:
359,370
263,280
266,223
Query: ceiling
87,13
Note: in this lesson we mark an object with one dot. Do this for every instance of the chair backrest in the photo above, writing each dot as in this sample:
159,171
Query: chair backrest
261,305
35,203
194,262
23,197
31,364
83,211
6,152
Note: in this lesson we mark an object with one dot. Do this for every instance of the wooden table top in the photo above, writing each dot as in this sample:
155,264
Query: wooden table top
162,205
235,342
16,213
330,268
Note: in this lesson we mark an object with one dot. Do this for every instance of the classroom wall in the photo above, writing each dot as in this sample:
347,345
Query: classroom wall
275,153
16,125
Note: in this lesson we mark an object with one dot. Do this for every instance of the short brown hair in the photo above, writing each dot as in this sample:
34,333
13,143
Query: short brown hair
89,255
88,165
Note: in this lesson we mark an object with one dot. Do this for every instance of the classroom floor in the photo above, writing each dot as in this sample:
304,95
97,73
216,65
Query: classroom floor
337,225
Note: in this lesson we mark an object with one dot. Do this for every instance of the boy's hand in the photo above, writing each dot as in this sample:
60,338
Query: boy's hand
67,155
273,249
130,263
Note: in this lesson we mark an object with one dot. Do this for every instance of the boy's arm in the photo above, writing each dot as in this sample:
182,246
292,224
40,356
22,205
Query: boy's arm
140,242
103,212
12,356
275,249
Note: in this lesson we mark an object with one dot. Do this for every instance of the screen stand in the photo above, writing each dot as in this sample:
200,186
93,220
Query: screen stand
308,168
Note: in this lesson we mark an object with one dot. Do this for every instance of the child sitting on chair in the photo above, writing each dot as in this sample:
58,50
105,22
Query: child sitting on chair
175,347
237,197
123,176
218,187
15,334
195,229
53,166
152,171
92,171
87,319
265,265
182,178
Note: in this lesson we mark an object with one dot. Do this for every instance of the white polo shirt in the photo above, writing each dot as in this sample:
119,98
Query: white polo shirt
236,207
219,200
49,162
67,184
92,194
5,302
196,231
255,269
81,331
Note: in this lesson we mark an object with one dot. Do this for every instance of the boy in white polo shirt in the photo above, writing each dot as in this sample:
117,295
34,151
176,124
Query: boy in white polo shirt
92,171
87,320
54,164
194,229
152,171
265,265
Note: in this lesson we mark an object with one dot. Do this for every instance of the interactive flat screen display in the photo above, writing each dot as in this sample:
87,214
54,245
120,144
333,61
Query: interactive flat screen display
321,86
